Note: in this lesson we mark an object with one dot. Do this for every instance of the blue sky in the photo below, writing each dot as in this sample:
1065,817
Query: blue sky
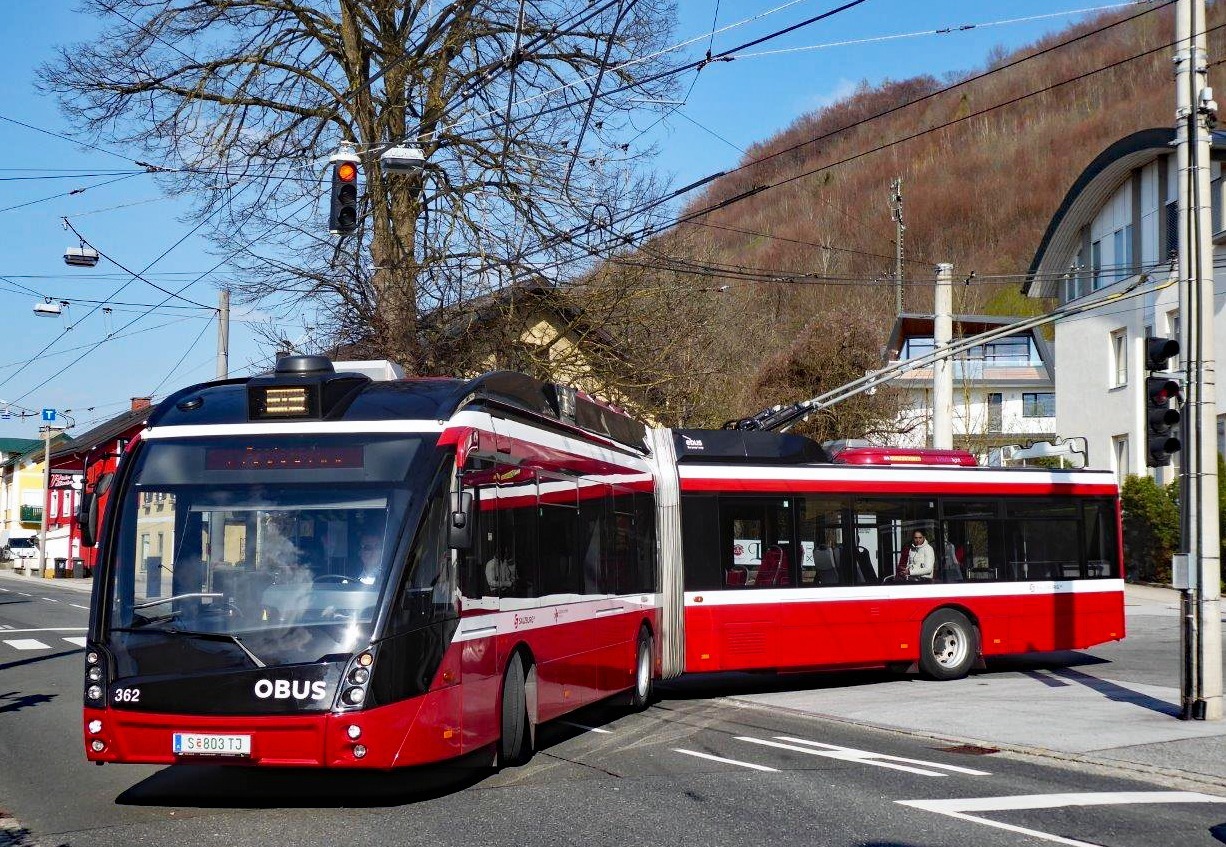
743,101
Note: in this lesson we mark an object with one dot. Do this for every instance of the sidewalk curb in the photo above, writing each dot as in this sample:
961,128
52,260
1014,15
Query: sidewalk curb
1183,780
81,586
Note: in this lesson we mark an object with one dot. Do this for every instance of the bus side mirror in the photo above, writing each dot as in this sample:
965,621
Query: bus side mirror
85,509
89,512
460,532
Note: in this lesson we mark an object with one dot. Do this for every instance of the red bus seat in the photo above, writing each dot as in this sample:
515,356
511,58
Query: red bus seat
774,570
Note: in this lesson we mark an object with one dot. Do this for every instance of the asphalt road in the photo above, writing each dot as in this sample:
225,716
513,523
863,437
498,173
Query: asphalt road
692,770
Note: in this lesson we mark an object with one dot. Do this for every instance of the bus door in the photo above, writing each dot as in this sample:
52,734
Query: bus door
759,559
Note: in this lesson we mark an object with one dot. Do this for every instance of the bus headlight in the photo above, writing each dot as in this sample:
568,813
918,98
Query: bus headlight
354,684
94,674
94,692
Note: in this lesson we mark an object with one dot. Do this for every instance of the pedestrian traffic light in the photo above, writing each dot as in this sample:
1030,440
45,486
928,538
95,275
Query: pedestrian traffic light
1161,391
343,212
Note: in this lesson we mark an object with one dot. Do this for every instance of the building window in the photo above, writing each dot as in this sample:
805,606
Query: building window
995,419
1119,358
1038,404
1119,447
1096,266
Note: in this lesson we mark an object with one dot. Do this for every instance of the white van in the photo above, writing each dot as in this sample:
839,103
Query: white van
20,550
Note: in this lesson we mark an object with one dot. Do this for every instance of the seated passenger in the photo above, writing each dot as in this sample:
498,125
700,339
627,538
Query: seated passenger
920,557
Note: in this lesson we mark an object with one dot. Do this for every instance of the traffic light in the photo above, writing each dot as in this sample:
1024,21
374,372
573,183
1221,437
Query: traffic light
1161,390
343,211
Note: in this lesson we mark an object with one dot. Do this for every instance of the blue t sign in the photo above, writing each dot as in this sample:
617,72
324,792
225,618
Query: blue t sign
48,415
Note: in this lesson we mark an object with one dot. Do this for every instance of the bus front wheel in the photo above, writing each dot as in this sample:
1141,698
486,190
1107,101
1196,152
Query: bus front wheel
949,644
515,741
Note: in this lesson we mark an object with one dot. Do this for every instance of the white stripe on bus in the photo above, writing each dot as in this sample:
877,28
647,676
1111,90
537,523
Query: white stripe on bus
894,473
905,591
274,427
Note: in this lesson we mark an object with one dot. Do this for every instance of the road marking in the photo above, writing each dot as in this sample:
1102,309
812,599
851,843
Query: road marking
958,808
865,757
79,606
48,599
708,756
78,640
23,594
49,629
588,728
26,644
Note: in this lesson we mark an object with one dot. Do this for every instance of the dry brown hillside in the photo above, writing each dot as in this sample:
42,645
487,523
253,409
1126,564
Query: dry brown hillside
979,193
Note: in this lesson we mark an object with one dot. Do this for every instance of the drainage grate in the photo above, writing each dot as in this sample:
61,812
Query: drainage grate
969,750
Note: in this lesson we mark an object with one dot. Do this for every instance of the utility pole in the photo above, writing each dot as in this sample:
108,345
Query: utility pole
46,432
1201,637
223,334
943,368
899,229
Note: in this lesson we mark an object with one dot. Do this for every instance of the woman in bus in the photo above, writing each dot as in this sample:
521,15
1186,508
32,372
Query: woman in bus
919,560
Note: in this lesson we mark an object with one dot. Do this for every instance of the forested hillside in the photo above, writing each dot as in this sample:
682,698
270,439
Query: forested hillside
985,160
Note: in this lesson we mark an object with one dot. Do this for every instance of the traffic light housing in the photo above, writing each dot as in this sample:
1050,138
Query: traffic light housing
343,209
1161,390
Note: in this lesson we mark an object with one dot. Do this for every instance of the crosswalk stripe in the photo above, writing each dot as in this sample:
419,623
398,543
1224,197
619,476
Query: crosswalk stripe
77,640
26,644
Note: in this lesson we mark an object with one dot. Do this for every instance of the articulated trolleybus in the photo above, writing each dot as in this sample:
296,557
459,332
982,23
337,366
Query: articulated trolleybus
314,567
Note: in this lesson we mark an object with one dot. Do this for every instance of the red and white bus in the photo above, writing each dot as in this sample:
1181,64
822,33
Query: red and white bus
316,568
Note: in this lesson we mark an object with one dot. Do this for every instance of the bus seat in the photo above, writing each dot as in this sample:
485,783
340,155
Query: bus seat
864,561
774,569
735,577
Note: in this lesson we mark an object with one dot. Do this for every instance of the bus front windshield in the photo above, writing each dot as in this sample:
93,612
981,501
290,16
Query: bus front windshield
283,542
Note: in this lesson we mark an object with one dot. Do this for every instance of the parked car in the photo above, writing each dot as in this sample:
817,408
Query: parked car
22,552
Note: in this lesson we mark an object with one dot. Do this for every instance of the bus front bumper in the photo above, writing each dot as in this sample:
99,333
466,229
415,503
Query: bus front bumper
415,731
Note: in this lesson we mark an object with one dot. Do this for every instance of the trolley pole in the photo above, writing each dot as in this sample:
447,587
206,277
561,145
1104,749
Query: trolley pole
223,334
1201,637
943,368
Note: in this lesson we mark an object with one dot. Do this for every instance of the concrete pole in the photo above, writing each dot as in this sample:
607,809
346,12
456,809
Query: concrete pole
1201,676
223,334
42,528
943,368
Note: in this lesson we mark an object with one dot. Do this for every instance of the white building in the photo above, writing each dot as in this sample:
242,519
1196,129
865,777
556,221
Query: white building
1116,223
1003,391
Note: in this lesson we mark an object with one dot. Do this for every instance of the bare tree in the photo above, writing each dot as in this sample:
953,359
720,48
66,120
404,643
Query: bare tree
519,106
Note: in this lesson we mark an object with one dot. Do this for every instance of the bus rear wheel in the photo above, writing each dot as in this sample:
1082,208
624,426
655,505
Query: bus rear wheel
515,740
949,644
640,695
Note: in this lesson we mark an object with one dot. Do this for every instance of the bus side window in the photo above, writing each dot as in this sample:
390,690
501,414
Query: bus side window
827,559
644,541
1044,539
558,533
701,548
972,544
1102,559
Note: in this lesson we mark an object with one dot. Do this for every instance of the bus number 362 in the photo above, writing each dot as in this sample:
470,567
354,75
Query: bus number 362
127,695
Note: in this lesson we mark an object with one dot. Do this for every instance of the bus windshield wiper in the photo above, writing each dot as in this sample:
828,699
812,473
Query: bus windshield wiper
191,633
190,595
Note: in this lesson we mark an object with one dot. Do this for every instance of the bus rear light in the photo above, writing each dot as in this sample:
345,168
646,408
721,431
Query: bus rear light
359,751
354,732
97,745
95,727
